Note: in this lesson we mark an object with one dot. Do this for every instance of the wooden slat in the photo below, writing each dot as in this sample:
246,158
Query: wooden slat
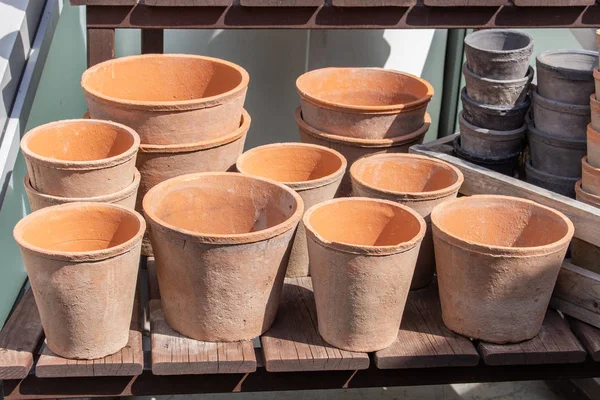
153,290
100,45
575,311
555,344
293,343
463,3
585,255
188,3
374,3
282,3
553,3
588,335
104,2
152,41
19,338
423,339
578,286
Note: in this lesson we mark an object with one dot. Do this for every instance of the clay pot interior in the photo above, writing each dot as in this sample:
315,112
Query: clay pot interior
499,41
579,64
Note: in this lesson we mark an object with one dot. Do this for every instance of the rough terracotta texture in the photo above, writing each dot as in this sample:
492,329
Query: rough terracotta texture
559,184
363,103
498,258
563,120
497,92
596,75
314,172
221,243
499,118
582,195
590,178
593,146
158,163
80,157
415,181
125,197
559,156
595,111
82,261
353,149
168,98
489,143
363,254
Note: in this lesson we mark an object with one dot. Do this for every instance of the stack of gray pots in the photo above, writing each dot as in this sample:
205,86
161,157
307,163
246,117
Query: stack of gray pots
495,100
561,114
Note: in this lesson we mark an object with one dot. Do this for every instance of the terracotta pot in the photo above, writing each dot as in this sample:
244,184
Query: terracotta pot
353,149
590,178
596,75
595,112
489,143
498,258
418,182
585,197
363,254
168,98
363,103
568,121
158,163
506,165
125,197
558,156
80,157
593,146
314,172
82,261
558,184
230,236
497,92
499,118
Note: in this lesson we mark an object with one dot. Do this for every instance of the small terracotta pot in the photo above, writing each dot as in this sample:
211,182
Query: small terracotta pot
489,143
590,178
593,146
595,111
80,157
158,163
229,237
564,185
82,260
585,197
125,197
596,74
418,182
353,149
168,98
314,172
498,258
363,103
563,120
363,254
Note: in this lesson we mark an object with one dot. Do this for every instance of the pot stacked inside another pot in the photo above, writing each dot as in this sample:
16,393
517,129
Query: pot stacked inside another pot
495,100
561,114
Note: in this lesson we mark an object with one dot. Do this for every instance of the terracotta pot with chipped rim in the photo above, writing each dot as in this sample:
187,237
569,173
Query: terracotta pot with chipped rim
82,260
158,163
498,258
418,182
230,236
363,254
80,157
590,177
587,198
353,149
168,98
314,172
363,103
593,146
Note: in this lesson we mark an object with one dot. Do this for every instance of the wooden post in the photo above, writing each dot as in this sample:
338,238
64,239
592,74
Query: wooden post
100,45
152,41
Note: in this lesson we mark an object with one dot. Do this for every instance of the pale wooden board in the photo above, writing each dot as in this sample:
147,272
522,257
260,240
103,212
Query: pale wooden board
575,311
579,287
293,342
555,344
423,339
585,255
19,339
588,335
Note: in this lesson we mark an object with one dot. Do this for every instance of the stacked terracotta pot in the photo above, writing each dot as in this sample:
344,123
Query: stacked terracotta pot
361,111
187,109
495,99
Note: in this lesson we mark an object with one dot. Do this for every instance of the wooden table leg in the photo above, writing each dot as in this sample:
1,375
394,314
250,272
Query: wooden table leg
100,45
152,41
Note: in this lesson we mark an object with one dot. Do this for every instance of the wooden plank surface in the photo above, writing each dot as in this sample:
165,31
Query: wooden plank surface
293,343
153,290
374,3
585,255
100,45
465,3
188,3
578,286
555,344
575,311
19,339
553,3
282,3
588,336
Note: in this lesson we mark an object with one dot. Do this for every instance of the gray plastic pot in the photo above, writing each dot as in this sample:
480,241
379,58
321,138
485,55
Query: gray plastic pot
557,184
566,75
490,143
499,118
497,92
560,119
499,53
553,155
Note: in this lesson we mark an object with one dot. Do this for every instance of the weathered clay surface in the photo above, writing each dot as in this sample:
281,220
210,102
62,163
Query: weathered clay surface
563,120
499,118
168,98
596,74
499,53
221,242
593,144
566,75
418,182
497,92
353,149
582,195
595,112
363,103
158,163
314,172
506,166
488,143
125,197
558,184
590,178
82,261
80,157
363,253
498,258
559,156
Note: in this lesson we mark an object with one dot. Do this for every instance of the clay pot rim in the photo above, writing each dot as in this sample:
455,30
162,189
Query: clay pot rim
225,239
578,109
594,103
352,108
485,131
589,167
107,198
456,146
547,176
418,196
364,249
585,197
495,108
178,105
555,140
519,81
592,132
469,38
79,256
596,73
205,144
80,165
300,185
583,74
350,141
472,246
